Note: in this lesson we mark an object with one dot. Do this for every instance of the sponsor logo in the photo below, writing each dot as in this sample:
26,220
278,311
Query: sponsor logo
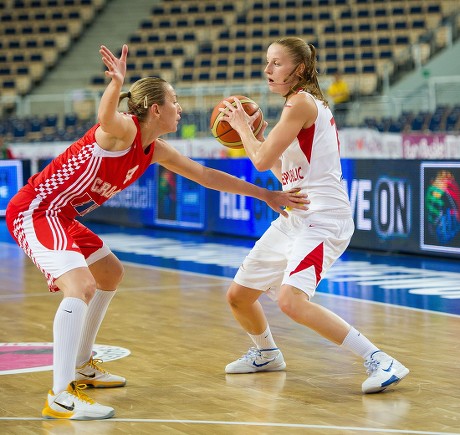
92,375
68,408
389,368
263,364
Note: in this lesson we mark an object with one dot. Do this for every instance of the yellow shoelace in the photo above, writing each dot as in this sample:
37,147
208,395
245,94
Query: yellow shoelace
77,391
94,364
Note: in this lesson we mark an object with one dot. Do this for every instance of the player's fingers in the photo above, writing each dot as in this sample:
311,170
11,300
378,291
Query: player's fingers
238,103
228,105
254,116
124,52
283,212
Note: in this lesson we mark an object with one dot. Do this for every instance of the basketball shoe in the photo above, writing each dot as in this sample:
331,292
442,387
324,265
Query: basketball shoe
91,374
73,404
383,371
258,360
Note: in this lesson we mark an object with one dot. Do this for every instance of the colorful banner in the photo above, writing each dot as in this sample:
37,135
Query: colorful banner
440,207
423,146
407,206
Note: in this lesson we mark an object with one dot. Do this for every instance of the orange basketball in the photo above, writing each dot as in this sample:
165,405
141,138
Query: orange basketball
222,130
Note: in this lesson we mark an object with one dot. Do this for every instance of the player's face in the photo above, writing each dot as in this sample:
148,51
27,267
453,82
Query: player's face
170,111
280,70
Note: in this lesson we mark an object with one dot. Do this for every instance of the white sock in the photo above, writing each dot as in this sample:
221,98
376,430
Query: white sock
358,344
96,313
264,341
67,327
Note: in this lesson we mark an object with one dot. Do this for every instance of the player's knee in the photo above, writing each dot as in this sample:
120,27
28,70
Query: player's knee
286,305
235,298
292,302
88,291
232,299
117,273
108,273
84,289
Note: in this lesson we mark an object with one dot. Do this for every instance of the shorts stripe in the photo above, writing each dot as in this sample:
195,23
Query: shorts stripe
314,258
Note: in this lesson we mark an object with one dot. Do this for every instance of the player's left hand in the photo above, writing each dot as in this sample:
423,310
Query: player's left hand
281,201
116,68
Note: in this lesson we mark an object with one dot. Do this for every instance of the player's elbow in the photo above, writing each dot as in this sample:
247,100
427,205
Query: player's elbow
262,165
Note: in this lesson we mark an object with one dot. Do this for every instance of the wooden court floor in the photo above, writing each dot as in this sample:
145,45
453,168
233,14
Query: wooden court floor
181,335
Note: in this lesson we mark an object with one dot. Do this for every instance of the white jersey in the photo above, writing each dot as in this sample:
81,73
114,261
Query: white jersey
312,163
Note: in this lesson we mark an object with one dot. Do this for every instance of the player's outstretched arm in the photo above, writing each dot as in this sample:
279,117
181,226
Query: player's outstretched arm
173,160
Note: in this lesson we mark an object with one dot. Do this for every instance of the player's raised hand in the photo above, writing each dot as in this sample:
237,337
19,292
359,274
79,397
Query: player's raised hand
116,68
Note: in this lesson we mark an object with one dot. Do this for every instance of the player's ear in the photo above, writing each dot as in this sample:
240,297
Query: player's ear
300,70
155,109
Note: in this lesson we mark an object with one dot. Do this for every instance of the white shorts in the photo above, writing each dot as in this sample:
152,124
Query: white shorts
297,251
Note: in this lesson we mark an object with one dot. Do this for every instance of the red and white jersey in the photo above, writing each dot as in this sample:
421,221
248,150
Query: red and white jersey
84,176
312,162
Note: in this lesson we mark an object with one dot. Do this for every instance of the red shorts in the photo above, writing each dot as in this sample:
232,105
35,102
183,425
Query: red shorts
55,243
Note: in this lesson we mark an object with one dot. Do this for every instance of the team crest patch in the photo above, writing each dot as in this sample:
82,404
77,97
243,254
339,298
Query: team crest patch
38,357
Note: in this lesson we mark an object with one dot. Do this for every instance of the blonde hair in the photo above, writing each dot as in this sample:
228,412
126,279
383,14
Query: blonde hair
303,54
142,94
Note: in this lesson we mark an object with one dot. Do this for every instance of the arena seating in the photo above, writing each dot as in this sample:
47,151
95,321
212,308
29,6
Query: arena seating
444,119
51,128
217,41
33,33
197,42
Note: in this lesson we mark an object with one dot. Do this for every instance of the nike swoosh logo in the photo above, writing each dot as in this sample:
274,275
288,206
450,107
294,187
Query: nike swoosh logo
389,368
69,408
263,364
92,375
68,311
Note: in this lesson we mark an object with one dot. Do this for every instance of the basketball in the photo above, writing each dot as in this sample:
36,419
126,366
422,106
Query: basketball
223,131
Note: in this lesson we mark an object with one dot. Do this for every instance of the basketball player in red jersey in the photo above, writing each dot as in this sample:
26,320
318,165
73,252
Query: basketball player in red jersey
42,218
293,255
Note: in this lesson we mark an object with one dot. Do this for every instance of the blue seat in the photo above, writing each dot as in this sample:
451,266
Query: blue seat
368,69
351,69
221,75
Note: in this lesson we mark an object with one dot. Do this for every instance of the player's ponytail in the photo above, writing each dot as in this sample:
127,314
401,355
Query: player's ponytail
142,94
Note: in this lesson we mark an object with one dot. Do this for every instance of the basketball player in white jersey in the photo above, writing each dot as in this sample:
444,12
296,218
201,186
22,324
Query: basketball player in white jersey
290,259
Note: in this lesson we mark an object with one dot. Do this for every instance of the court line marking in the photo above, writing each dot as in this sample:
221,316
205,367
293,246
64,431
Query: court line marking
244,423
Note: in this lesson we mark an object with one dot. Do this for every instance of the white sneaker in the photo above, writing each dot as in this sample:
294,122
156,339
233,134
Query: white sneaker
383,371
73,404
91,374
258,360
